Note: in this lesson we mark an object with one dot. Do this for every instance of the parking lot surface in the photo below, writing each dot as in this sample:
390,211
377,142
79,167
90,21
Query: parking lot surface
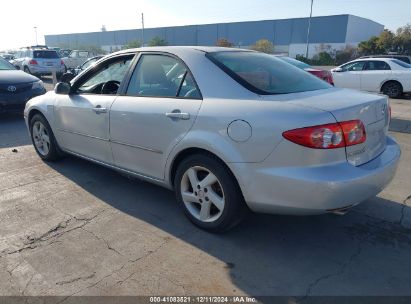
76,228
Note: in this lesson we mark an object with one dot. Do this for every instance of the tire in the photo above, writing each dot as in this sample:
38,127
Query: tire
215,203
27,70
43,139
392,89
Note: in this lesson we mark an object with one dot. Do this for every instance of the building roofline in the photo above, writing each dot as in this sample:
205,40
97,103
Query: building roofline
220,23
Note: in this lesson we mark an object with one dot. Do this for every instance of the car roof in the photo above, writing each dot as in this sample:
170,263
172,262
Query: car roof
373,59
171,49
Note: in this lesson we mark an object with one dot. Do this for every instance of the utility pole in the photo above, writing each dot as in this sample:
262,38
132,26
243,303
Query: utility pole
35,31
142,29
308,30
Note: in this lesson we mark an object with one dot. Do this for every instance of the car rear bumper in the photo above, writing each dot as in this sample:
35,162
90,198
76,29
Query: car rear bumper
316,189
45,70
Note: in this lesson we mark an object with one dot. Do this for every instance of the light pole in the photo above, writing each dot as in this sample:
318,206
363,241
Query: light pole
308,30
142,29
35,31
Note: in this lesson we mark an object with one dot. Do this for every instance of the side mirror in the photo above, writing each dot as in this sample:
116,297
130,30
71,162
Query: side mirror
62,88
338,70
67,77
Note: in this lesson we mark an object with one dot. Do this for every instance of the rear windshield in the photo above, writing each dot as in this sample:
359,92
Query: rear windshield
401,63
295,62
45,54
5,65
265,74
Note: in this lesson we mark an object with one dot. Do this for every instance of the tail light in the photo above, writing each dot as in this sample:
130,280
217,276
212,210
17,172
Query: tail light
33,62
61,62
329,136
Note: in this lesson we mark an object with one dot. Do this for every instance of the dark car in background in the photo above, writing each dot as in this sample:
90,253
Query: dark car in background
322,74
17,87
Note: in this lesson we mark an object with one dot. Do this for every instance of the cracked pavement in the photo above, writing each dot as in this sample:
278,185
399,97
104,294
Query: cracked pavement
74,228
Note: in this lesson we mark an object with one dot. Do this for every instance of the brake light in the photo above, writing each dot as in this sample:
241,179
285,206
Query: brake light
329,136
354,132
33,62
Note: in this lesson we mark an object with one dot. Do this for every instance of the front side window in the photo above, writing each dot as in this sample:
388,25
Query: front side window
107,78
265,74
377,66
354,66
162,76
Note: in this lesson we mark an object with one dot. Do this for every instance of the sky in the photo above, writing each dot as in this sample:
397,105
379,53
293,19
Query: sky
79,16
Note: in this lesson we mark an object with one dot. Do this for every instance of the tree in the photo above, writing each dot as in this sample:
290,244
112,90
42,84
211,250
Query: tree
263,45
347,54
224,43
402,41
133,44
370,47
385,41
157,41
92,48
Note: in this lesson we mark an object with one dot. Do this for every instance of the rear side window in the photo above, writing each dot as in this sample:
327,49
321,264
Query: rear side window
265,74
401,63
377,66
162,76
45,54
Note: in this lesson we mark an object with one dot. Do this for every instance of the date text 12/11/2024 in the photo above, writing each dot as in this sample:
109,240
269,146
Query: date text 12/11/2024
203,299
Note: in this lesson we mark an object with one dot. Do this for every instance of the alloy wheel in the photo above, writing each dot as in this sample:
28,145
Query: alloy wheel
202,194
41,138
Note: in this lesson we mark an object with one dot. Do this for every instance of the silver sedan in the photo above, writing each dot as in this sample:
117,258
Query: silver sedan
229,130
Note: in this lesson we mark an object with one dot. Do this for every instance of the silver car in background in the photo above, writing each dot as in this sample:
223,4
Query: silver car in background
39,62
228,130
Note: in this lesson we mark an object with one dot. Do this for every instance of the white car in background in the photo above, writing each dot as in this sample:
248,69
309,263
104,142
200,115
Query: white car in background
77,58
390,76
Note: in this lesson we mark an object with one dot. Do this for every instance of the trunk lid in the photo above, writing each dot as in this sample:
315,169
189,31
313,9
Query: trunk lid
343,104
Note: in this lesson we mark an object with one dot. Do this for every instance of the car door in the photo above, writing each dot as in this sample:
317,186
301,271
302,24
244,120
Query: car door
349,76
374,74
159,107
82,117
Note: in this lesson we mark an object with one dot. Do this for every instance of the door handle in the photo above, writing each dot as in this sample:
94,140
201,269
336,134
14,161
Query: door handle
99,109
178,115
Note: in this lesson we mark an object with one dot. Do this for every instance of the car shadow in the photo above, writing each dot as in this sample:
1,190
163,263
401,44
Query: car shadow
13,131
276,255
400,125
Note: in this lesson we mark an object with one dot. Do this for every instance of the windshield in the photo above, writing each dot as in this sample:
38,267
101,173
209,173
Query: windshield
265,74
402,63
45,54
5,65
295,62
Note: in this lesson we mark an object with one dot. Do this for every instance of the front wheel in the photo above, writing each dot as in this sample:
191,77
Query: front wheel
209,193
43,139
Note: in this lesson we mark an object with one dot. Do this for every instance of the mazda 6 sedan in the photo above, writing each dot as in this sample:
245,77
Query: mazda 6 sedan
229,130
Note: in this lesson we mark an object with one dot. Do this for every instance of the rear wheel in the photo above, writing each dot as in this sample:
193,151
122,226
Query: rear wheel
392,89
209,193
43,139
